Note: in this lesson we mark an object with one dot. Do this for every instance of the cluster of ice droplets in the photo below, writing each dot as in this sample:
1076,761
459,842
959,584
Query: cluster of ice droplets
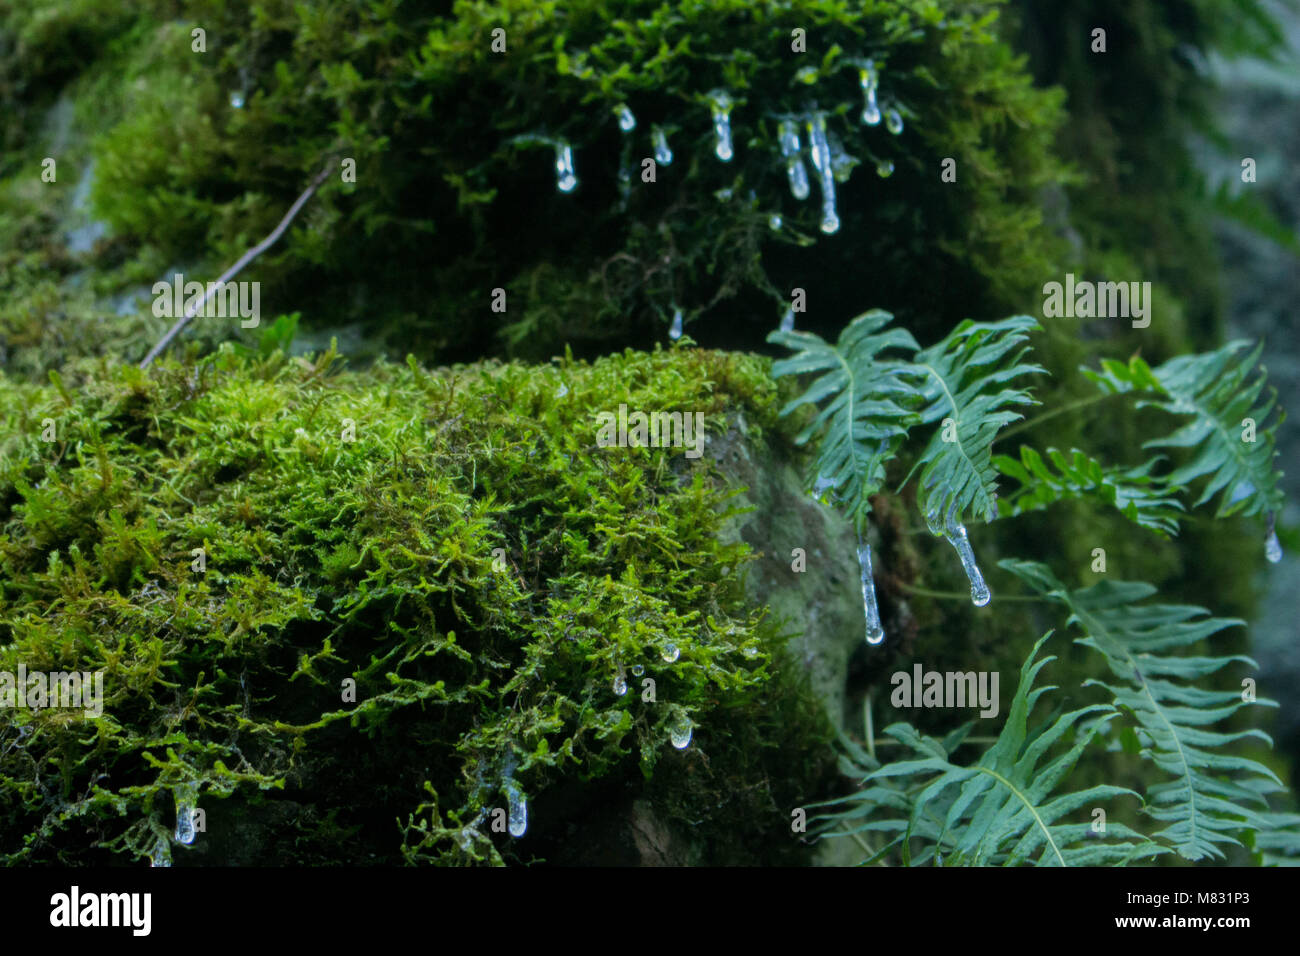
1272,547
821,156
675,330
869,80
870,610
795,171
680,730
720,103
955,532
663,154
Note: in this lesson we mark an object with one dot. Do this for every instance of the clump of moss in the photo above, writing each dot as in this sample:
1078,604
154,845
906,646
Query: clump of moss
453,541
438,124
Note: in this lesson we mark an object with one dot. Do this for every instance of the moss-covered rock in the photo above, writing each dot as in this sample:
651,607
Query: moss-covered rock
454,541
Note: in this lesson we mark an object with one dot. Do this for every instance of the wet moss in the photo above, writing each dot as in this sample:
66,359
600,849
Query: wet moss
348,522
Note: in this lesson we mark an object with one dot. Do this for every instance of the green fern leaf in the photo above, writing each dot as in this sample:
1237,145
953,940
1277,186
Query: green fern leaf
1003,809
862,402
1205,804
1213,388
968,378
1133,491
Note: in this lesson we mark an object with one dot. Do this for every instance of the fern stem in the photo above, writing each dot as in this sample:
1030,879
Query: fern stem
926,592
1069,407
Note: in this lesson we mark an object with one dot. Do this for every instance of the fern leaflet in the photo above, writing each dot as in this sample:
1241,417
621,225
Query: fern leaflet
1133,491
1204,805
862,401
967,378
999,810
1213,388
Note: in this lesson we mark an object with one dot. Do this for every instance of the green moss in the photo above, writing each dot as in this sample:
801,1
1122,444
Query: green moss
373,559
431,116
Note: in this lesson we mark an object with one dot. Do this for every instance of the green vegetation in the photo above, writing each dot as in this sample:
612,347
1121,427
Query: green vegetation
372,560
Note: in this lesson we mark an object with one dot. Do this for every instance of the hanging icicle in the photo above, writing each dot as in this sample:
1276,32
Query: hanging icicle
788,132
675,331
955,532
1272,547
870,611
663,154
869,80
565,178
721,104
821,155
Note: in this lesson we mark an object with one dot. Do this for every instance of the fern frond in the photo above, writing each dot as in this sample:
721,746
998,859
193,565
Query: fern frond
967,378
1001,810
862,402
1213,388
1211,799
1133,491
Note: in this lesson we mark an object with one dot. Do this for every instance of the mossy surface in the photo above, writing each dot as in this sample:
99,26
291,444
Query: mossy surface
414,93
372,559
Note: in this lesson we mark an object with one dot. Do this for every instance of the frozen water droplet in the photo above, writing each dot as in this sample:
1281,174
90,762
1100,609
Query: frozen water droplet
871,612
637,670
894,121
518,810
721,105
626,121
675,332
751,652
885,168
774,223
565,178
185,797
841,162
237,100
680,730
184,824
979,591
620,685
821,154
788,132
787,320
162,854
868,79
871,112
1272,547
663,155
670,652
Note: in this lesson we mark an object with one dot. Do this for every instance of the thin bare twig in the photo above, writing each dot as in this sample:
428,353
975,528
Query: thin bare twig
234,270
